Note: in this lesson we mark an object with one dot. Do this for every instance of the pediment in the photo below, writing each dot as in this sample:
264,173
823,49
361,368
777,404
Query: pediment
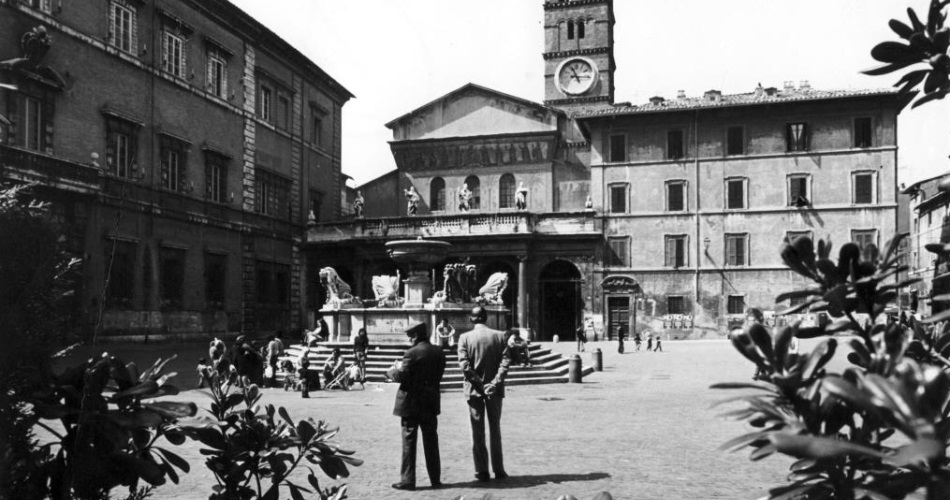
473,111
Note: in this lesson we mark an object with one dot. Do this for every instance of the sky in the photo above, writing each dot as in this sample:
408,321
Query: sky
396,55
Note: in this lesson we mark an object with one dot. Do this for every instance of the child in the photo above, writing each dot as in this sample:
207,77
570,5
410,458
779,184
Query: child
204,373
650,343
305,374
659,346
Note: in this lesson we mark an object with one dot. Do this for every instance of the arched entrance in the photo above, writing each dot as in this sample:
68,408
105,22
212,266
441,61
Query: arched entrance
560,300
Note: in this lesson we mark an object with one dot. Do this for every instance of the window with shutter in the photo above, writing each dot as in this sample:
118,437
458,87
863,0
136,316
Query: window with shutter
674,144
216,177
122,20
174,158
121,147
506,191
864,237
862,132
217,73
798,195
736,245
735,193
216,269
735,140
796,136
618,148
863,187
735,304
618,199
172,273
675,304
676,196
617,248
675,255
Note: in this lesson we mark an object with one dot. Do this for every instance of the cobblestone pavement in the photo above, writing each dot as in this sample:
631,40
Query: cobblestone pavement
641,429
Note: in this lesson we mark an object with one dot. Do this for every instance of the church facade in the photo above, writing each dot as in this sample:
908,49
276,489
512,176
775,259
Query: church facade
664,217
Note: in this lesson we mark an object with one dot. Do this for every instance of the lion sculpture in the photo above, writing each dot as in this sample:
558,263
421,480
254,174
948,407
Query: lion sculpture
338,291
493,289
386,289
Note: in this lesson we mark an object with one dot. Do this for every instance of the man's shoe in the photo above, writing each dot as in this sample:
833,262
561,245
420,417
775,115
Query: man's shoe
483,477
437,485
501,475
404,486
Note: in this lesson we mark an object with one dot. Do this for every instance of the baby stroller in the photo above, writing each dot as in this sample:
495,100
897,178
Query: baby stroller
289,371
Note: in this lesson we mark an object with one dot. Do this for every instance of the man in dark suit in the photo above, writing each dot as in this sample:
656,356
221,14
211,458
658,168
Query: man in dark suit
483,356
418,403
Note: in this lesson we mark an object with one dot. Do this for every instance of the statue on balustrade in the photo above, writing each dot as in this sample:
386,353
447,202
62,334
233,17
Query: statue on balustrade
358,203
465,198
338,291
412,200
521,196
491,292
386,289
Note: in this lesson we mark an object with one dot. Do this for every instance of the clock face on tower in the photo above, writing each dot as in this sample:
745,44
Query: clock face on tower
576,76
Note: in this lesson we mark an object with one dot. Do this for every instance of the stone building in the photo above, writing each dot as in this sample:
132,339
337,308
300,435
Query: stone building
690,197
929,209
183,146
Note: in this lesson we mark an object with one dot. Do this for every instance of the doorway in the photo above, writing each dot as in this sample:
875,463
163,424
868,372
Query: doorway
560,301
618,313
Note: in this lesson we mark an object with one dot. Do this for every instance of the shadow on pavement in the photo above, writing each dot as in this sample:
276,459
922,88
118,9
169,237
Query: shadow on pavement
526,481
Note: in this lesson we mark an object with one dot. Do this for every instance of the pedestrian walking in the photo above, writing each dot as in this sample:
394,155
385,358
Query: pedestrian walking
637,340
275,349
483,357
649,342
304,374
360,346
418,404
659,345
581,338
621,334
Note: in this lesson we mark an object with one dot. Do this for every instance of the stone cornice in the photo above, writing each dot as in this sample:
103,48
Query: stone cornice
576,52
577,100
567,4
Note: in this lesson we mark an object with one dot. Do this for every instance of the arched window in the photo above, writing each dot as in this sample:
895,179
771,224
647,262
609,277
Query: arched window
437,195
570,30
580,28
474,185
506,191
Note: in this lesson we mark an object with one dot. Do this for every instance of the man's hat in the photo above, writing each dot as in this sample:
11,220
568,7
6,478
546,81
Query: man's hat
418,330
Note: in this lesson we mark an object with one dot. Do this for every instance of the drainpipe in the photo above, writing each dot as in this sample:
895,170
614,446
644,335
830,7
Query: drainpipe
699,254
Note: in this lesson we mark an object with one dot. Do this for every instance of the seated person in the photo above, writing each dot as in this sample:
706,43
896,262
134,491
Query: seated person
334,366
446,334
354,374
312,337
518,348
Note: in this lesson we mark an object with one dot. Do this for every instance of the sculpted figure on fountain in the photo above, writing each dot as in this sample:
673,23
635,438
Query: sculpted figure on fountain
338,291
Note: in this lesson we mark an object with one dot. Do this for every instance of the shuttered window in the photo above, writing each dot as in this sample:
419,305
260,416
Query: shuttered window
735,141
618,199
735,193
862,133
676,196
618,148
675,251
796,136
863,187
674,145
617,250
737,249
798,195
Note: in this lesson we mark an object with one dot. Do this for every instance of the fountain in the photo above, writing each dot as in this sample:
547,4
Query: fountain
388,320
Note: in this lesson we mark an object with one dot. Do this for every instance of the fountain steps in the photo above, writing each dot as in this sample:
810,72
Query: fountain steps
546,367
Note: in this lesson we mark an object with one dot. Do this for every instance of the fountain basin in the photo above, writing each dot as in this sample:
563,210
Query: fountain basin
418,251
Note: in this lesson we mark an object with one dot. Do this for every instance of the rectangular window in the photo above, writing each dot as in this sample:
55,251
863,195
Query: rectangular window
216,177
32,124
264,98
863,190
735,304
862,132
675,251
121,147
864,237
798,191
618,148
122,29
283,111
173,54
796,136
43,5
216,271
174,161
316,127
316,202
618,254
172,269
121,276
735,140
675,304
272,194
737,246
217,73
674,144
618,199
273,284
794,235
676,196
735,193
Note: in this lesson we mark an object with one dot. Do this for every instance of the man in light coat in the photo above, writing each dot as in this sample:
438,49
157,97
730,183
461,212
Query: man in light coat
483,357
418,403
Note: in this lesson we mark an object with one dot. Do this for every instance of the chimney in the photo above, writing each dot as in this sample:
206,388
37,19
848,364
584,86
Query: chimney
656,100
713,95
770,91
804,85
681,95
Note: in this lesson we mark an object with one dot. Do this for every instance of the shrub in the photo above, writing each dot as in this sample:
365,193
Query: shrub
879,429
252,453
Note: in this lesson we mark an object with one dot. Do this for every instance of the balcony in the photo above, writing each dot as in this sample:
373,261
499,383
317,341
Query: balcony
460,226
31,166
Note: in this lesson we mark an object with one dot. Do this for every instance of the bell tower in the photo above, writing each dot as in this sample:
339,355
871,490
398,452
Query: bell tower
578,54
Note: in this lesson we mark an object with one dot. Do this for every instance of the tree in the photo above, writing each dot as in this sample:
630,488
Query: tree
925,44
